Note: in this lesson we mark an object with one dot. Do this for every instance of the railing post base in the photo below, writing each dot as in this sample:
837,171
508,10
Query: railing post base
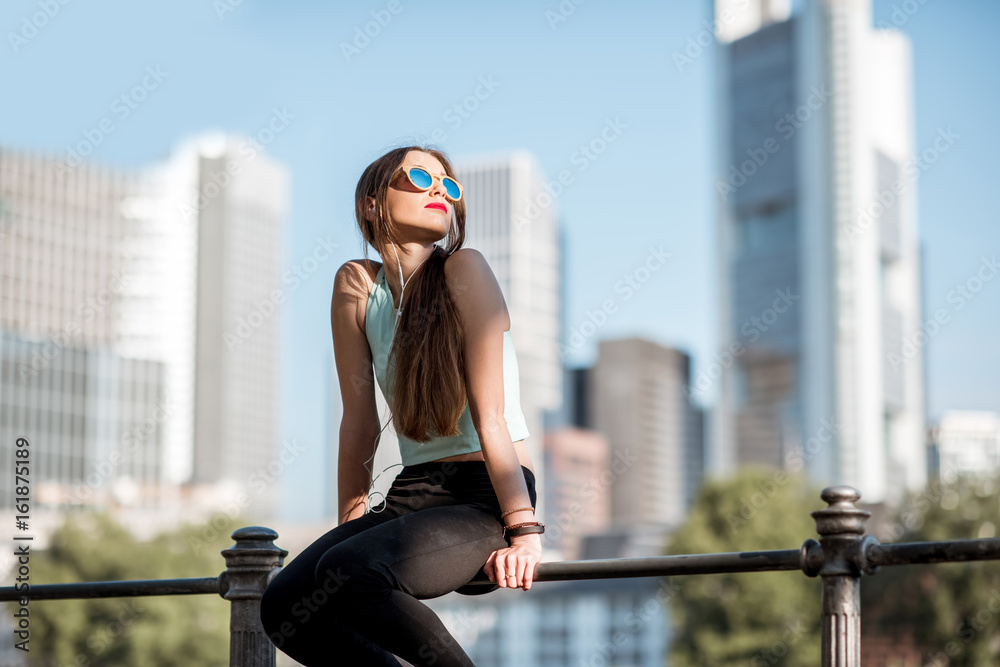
250,564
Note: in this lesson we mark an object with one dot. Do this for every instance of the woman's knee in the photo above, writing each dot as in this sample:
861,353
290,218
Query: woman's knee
274,608
287,607
283,596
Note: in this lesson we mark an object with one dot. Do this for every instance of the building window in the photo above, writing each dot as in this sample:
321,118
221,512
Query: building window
765,229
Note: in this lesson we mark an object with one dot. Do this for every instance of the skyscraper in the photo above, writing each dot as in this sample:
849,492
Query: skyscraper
818,253
237,199
577,489
140,321
79,380
637,400
967,442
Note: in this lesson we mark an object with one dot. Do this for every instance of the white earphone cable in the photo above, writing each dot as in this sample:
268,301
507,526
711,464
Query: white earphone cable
371,471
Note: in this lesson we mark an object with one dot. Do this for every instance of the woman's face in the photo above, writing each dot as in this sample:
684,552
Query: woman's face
408,205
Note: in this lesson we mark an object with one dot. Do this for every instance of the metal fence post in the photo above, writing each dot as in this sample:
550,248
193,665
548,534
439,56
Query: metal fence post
840,527
250,564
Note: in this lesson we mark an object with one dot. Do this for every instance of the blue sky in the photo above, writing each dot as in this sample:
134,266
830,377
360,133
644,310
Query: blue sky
554,87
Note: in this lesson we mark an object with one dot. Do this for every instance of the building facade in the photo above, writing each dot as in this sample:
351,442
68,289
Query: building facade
578,492
638,401
139,324
818,250
71,383
966,443
623,622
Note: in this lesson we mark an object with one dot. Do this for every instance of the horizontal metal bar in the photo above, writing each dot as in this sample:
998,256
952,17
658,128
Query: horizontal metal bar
913,553
113,589
612,568
751,561
662,566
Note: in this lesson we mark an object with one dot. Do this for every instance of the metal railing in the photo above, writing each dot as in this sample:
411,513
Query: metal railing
841,556
250,564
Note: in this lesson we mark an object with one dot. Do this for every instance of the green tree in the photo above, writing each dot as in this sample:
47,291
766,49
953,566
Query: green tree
167,631
952,610
754,618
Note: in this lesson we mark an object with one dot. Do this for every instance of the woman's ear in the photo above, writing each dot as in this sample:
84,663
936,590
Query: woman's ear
370,209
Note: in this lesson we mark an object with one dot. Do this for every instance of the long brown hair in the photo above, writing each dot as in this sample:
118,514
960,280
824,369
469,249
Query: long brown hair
428,394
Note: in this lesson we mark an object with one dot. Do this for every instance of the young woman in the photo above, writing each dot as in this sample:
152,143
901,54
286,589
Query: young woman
433,322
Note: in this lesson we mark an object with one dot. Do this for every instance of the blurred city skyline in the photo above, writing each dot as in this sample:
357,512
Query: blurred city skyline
524,77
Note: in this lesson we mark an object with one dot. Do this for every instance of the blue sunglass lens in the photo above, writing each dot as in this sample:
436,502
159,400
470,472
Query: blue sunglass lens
420,178
451,187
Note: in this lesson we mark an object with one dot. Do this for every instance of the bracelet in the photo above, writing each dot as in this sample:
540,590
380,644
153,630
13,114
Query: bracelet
525,528
519,509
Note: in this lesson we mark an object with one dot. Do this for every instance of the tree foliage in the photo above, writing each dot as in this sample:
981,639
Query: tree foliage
952,610
168,631
756,618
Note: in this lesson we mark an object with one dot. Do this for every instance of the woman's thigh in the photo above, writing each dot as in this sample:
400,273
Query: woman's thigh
294,594
425,554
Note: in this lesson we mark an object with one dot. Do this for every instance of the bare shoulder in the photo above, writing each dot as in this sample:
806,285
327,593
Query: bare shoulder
467,273
360,271
472,284
352,284
369,266
466,261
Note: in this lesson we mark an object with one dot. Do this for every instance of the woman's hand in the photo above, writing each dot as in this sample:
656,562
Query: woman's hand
514,566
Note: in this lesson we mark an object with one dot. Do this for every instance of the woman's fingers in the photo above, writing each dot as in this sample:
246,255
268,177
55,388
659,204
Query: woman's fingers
513,578
521,566
489,569
510,570
529,574
500,570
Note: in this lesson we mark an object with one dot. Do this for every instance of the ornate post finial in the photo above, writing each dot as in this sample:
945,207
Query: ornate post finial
840,527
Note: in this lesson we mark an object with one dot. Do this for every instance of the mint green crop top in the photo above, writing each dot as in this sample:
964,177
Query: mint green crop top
379,314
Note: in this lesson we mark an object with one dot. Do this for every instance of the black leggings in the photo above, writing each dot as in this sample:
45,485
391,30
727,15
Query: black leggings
352,597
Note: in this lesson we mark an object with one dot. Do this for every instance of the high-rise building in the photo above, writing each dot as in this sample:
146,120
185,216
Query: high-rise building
578,488
140,319
818,251
624,622
511,219
737,18
638,401
76,382
240,291
967,443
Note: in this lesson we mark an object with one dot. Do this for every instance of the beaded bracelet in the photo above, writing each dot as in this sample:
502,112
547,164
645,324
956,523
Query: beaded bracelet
519,509
524,523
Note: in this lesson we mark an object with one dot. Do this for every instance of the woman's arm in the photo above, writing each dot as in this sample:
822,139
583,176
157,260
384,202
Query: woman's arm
359,425
353,479
480,304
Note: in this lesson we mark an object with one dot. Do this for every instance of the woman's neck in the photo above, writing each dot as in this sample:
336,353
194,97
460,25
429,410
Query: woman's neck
411,257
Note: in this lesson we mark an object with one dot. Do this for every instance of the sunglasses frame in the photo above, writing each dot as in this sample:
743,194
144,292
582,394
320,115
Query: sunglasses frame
406,170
